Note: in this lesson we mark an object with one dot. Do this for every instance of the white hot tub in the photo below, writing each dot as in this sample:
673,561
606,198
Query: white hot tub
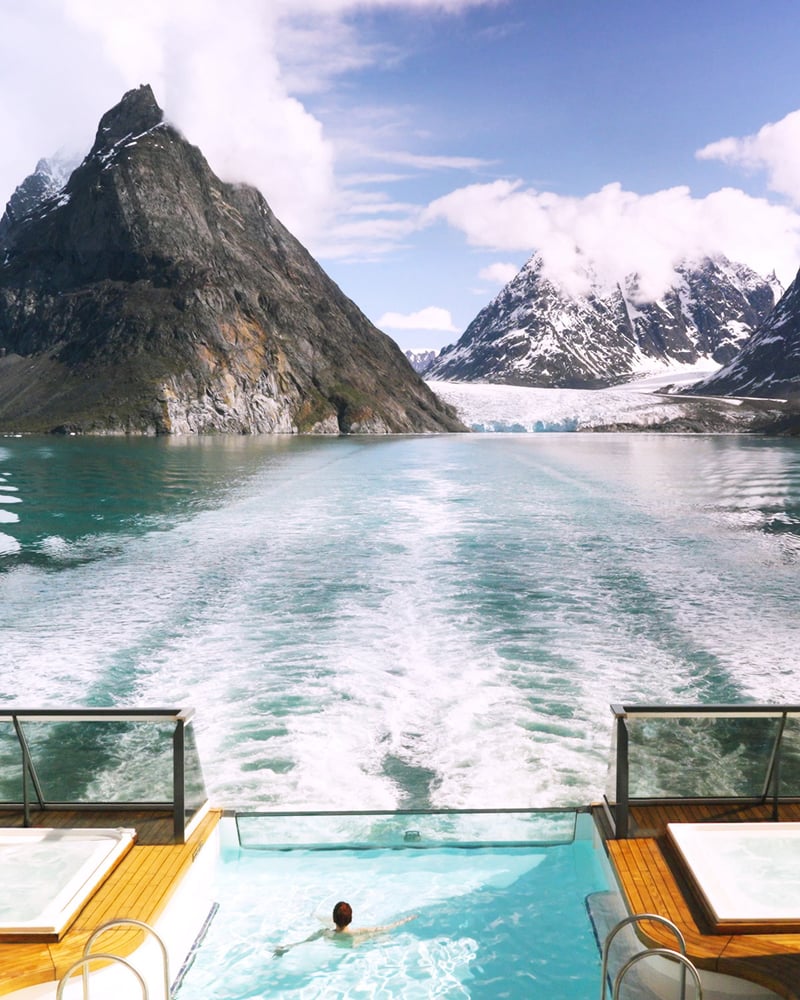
47,875
747,875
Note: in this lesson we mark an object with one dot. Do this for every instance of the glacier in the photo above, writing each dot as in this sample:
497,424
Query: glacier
642,404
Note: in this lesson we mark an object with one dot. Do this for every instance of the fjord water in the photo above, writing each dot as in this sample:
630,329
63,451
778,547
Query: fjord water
400,622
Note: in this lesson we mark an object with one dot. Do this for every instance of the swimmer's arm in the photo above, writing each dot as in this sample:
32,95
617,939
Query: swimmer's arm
369,931
283,948
398,923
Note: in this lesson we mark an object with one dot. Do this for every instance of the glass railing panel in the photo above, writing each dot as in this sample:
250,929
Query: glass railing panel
10,765
194,783
86,762
696,757
412,830
789,783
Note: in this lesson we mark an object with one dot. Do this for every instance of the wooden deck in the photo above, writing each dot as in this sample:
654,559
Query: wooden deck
652,880
153,826
139,888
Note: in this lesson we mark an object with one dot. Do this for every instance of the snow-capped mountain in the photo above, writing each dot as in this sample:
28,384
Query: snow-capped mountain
421,359
768,365
47,181
535,333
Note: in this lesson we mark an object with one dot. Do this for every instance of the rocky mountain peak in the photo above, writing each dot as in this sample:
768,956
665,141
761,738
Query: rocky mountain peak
151,297
136,113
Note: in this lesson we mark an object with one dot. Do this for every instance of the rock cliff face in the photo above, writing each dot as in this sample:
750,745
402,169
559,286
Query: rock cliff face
768,366
534,333
147,296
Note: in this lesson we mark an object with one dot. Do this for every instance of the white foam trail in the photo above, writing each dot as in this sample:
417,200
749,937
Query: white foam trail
8,545
56,547
442,617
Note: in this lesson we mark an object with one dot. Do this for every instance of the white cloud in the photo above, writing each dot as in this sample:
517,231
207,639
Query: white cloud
617,232
422,162
232,85
229,79
498,273
219,80
343,6
775,148
430,318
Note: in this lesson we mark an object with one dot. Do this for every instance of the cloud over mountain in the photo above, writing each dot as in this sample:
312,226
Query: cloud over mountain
307,100
621,232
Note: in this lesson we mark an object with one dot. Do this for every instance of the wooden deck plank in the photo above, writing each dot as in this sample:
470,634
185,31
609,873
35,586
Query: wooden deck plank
154,826
139,887
651,820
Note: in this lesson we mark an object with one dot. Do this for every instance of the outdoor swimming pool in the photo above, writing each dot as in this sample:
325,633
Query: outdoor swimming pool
492,921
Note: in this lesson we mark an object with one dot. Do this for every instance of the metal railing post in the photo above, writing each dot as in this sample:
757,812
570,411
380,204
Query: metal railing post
621,810
773,777
179,781
28,774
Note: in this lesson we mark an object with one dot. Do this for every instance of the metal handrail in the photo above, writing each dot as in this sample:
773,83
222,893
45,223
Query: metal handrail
99,956
129,922
635,919
674,956
81,714
719,711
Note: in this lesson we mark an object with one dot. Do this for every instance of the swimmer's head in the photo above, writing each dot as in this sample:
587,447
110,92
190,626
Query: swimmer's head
342,914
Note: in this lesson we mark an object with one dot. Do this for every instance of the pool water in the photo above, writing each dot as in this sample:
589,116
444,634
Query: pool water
490,923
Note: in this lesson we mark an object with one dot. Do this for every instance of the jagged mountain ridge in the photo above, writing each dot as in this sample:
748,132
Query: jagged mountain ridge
149,296
421,359
47,181
768,365
534,333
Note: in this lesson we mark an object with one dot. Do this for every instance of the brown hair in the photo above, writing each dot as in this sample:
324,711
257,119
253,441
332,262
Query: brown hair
342,914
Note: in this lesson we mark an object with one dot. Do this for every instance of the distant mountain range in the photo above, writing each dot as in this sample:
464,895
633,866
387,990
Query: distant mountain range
535,333
144,295
422,359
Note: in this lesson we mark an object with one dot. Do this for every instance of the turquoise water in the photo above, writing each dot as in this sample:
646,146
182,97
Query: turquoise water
490,923
399,623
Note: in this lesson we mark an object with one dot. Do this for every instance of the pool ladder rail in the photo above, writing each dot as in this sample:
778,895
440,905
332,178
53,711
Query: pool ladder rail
89,957
668,953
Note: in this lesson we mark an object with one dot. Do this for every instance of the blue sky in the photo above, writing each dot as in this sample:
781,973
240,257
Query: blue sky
423,149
